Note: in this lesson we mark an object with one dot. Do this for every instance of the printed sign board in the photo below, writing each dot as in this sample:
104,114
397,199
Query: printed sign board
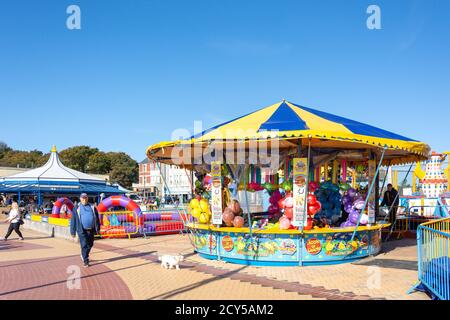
216,193
300,174
371,202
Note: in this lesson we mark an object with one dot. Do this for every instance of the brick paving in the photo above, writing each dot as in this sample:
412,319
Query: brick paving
129,269
44,279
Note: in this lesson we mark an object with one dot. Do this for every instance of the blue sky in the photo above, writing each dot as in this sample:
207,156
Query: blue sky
139,69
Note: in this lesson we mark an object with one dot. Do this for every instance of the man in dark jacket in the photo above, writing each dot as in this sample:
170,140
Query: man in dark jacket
391,200
85,222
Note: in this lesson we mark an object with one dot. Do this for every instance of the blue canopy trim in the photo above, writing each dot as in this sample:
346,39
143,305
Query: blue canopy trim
56,187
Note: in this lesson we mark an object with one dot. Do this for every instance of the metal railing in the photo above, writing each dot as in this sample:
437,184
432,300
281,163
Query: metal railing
407,219
159,222
433,245
429,211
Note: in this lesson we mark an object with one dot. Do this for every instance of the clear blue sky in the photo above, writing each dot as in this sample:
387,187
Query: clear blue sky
139,69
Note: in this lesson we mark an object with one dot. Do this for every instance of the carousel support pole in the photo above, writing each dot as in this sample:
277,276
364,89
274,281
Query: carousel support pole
395,179
354,176
325,171
334,177
344,170
377,195
305,209
385,178
414,183
192,184
18,198
448,177
249,218
302,235
368,193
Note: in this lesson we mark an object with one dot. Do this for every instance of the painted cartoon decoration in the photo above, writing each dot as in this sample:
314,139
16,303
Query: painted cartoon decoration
313,246
202,241
340,244
227,243
287,247
56,210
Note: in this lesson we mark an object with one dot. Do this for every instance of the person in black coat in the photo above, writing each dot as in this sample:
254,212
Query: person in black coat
86,224
391,199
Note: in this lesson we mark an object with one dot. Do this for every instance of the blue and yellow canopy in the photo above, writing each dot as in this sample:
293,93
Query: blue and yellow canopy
290,122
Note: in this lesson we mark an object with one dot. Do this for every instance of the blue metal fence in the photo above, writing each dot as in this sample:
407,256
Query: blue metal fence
433,245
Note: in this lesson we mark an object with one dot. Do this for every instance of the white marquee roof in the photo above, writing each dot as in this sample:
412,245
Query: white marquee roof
54,170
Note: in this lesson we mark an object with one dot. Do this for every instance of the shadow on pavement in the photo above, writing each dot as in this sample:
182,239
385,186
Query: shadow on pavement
391,245
122,257
193,286
389,263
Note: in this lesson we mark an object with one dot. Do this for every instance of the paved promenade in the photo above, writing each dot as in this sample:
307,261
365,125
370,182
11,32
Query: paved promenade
41,267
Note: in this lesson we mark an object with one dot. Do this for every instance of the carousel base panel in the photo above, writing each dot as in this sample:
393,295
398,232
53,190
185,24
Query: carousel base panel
257,263
286,248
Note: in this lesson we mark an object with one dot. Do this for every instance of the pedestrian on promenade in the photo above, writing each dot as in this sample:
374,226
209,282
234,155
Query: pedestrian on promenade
15,220
85,223
392,201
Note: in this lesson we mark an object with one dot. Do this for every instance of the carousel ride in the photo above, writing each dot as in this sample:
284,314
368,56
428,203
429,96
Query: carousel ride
278,186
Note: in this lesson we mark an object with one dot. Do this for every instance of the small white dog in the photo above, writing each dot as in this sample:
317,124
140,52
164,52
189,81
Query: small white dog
169,261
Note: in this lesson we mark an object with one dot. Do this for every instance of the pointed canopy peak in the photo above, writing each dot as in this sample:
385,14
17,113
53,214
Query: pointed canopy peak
54,149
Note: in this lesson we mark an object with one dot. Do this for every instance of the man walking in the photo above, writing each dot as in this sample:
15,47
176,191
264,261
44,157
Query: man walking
391,200
85,222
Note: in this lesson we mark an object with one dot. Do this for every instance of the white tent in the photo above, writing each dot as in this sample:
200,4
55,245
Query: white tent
55,178
54,170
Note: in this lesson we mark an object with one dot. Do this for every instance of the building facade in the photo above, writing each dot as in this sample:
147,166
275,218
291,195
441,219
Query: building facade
151,180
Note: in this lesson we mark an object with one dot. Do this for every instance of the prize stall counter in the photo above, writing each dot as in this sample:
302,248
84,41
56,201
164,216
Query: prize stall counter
274,247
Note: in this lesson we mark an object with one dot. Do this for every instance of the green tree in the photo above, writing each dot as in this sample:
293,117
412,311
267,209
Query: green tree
121,167
99,163
124,170
43,160
23,159
77,157
4,149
